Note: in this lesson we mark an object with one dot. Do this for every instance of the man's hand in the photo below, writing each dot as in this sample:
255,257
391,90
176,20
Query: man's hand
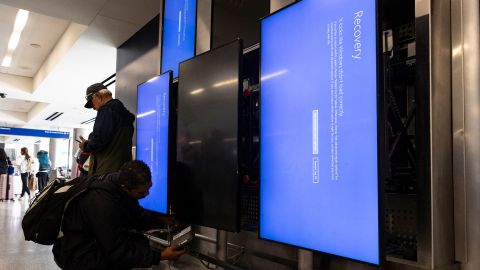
172,253
81,144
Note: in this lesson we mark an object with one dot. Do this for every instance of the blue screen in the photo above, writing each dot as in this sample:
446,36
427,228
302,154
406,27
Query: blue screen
319,178
152,138
179,18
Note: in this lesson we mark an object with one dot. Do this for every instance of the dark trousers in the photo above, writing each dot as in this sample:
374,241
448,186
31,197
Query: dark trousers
42,180
25,184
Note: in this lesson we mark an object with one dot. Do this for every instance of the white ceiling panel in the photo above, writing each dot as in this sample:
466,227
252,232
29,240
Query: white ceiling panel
16,105
89,58
7,19
131,11
79,11
40,29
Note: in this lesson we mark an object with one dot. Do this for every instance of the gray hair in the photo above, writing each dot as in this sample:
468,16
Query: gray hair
104,93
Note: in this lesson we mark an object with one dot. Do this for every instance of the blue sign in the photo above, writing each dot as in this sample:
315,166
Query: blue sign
34,133
152,138
179,24
319,170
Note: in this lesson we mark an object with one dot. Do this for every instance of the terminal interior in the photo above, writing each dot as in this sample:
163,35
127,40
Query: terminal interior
281,134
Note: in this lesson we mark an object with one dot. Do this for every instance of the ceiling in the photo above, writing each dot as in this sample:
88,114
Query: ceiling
16,105
36,42
78,41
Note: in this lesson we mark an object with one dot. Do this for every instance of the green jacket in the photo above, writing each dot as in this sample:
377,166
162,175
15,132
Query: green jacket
110,143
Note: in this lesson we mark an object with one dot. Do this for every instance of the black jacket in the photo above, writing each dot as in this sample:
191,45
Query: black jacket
4,166
98,230
110,143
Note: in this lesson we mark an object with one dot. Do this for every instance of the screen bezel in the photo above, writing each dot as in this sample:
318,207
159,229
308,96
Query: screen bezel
161,41
381,146
239,129
172,106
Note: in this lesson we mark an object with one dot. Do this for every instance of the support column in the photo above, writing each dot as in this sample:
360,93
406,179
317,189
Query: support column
204,25
36,148
52,152
278,4
305,259
466,130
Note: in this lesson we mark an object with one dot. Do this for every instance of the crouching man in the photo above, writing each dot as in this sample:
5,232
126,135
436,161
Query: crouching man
99,227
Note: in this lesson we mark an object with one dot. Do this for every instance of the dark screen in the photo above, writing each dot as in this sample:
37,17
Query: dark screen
206,188
238,19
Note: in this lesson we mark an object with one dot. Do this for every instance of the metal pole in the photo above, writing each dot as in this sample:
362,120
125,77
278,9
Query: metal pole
221,245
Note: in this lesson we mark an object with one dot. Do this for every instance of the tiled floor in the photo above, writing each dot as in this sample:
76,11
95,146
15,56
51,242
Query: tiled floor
18,254
15,252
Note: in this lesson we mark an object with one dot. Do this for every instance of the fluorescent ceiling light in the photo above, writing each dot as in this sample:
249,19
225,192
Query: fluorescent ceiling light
7,60
14,39
20,20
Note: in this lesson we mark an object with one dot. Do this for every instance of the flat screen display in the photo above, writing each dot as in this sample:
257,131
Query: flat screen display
178,36
319,168
207,186
153,111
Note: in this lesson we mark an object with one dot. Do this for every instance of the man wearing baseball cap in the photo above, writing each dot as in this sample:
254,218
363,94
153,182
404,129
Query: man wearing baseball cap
110,143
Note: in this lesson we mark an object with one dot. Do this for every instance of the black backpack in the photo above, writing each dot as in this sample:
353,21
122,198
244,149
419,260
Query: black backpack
43,220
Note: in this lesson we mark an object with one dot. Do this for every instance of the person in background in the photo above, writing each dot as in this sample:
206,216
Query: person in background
45,166
81,158
101,227
27,167
110,143
4,163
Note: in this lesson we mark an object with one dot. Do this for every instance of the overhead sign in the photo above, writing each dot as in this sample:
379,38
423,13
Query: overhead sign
34,133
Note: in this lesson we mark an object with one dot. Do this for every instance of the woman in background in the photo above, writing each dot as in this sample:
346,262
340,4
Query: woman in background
27,165
44,169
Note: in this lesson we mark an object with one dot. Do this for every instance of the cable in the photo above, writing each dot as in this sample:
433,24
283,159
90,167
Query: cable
206,265
169,239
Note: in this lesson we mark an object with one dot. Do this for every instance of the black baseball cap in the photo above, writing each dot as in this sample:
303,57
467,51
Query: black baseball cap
92,89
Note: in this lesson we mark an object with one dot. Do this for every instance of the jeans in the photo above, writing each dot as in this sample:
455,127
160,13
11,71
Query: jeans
42,180
25,184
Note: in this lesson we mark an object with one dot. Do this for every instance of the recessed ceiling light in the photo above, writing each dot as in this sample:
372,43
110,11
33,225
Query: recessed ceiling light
7,60
35,45
24,67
